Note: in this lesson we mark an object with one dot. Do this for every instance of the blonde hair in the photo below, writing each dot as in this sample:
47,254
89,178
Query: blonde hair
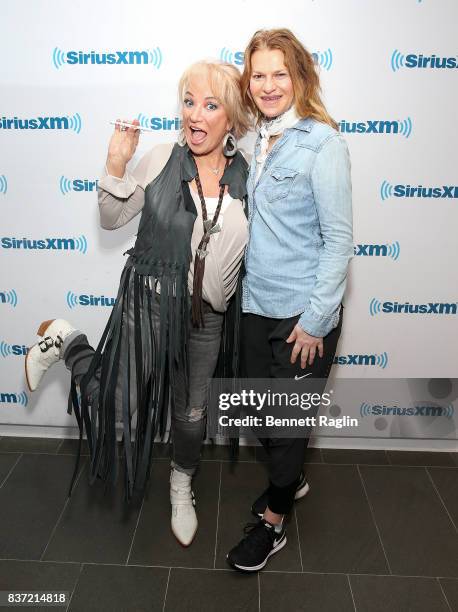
301,67
225,82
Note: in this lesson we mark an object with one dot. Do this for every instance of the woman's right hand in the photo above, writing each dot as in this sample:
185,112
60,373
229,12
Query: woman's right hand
122,147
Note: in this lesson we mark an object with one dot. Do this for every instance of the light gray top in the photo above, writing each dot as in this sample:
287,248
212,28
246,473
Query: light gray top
120,200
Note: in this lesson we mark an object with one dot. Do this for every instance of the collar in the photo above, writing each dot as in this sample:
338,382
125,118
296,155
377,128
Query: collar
235,175
304,125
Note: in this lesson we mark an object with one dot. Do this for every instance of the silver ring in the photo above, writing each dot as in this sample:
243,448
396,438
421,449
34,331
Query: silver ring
123,128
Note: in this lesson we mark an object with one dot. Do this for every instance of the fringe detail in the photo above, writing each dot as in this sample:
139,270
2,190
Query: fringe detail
139,388
228,364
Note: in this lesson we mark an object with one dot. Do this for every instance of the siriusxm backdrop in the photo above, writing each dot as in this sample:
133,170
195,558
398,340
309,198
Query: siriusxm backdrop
389,73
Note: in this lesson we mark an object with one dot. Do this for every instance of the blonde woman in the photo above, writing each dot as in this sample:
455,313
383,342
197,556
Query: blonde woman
163,337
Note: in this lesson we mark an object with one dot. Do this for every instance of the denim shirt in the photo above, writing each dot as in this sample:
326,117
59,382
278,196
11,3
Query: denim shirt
300,224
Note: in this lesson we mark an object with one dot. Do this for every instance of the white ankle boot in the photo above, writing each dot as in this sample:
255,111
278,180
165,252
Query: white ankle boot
47,351
184,519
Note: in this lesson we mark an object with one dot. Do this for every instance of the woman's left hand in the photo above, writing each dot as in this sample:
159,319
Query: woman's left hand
306,345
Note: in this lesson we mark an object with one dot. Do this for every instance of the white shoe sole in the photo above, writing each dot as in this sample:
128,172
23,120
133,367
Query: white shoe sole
302,491
256,568
26,374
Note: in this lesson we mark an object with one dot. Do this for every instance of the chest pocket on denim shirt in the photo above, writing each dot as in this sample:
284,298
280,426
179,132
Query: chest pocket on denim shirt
279,183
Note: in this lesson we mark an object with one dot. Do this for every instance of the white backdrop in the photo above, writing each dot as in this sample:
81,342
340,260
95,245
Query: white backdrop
398,114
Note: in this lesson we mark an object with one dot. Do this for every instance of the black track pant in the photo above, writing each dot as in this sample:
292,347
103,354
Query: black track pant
266,354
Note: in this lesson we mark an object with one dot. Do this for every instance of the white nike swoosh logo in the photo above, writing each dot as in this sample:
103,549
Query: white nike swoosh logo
299,377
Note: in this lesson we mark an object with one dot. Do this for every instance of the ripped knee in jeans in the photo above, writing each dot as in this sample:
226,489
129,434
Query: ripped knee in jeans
196,414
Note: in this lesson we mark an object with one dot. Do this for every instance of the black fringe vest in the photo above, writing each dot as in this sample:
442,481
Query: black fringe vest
162,253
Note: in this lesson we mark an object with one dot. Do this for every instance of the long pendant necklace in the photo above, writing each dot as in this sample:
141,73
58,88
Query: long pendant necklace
211,226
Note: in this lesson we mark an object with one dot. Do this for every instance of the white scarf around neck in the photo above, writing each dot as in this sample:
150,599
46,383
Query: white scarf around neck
273,127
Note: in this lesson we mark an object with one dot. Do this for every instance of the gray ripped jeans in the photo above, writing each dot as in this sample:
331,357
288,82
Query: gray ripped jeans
188,418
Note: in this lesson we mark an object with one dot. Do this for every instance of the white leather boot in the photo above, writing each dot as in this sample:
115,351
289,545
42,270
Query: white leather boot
47,351
184,519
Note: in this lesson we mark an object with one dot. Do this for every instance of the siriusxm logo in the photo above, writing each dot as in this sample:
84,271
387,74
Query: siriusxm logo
160,123
414,60
367,410
152,57
74,300
14,398
45,244
387,190
9,297
378,250
380,360
378,126
12,350
439,308
65,122
232,57
3,184
322,58
66,185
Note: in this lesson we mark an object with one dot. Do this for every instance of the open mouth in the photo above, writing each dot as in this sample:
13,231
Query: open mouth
197,135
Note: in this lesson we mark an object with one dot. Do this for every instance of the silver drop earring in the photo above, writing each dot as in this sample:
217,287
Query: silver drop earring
229,145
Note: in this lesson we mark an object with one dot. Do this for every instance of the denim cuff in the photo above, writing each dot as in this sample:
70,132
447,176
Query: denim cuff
318,325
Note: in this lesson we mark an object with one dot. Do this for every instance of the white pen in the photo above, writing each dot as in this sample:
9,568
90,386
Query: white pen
131,125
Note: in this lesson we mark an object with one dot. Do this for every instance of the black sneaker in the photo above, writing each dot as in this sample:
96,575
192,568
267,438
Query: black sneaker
261,542
260,505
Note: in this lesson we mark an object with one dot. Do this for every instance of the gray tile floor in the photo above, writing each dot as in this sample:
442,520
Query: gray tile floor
376,533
